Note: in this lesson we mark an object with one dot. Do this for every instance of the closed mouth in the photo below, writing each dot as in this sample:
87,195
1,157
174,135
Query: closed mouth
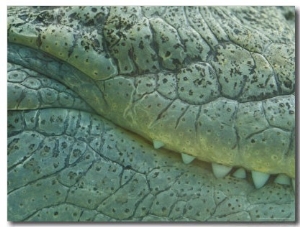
243,141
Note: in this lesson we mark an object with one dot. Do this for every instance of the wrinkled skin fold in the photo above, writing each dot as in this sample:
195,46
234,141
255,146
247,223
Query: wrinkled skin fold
66,162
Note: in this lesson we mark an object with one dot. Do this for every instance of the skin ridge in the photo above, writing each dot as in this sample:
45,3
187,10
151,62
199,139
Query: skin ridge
124,71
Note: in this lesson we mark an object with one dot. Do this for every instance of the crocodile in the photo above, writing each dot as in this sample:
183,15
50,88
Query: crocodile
103,102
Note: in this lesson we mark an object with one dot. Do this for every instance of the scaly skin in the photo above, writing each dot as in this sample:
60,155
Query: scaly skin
221,92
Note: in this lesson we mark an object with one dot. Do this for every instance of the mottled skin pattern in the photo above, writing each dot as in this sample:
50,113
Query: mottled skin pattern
216,83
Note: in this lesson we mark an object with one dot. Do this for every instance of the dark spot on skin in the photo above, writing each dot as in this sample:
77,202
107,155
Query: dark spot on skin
141,45
289,16
288,83
236,31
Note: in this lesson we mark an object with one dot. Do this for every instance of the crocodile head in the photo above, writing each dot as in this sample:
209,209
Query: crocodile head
212,83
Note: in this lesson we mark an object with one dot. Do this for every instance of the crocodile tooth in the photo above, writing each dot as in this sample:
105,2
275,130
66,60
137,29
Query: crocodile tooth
187,159
293,183
220,170
259,178
240,173
157,144
282,179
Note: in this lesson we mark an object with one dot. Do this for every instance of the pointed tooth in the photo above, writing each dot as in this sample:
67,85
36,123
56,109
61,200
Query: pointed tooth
293,183
220,170
282,179
157,144
240,173
259,178
187,159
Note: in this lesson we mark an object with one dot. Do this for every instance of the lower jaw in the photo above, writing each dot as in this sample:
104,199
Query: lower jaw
119,176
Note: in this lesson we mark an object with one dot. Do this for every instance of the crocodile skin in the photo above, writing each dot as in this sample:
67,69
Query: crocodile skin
89,89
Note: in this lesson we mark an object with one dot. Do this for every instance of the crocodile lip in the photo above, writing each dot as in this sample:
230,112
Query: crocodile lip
129,158
233,103
179,125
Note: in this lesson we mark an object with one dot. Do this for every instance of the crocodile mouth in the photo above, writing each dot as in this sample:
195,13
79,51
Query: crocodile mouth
152,184
80,153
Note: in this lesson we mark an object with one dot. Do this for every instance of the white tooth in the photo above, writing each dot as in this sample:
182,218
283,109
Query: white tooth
187,159
240,173
259,178
157,144
293,183
282,179
220,170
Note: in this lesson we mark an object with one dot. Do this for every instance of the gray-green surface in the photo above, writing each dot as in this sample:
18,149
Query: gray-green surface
216,83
